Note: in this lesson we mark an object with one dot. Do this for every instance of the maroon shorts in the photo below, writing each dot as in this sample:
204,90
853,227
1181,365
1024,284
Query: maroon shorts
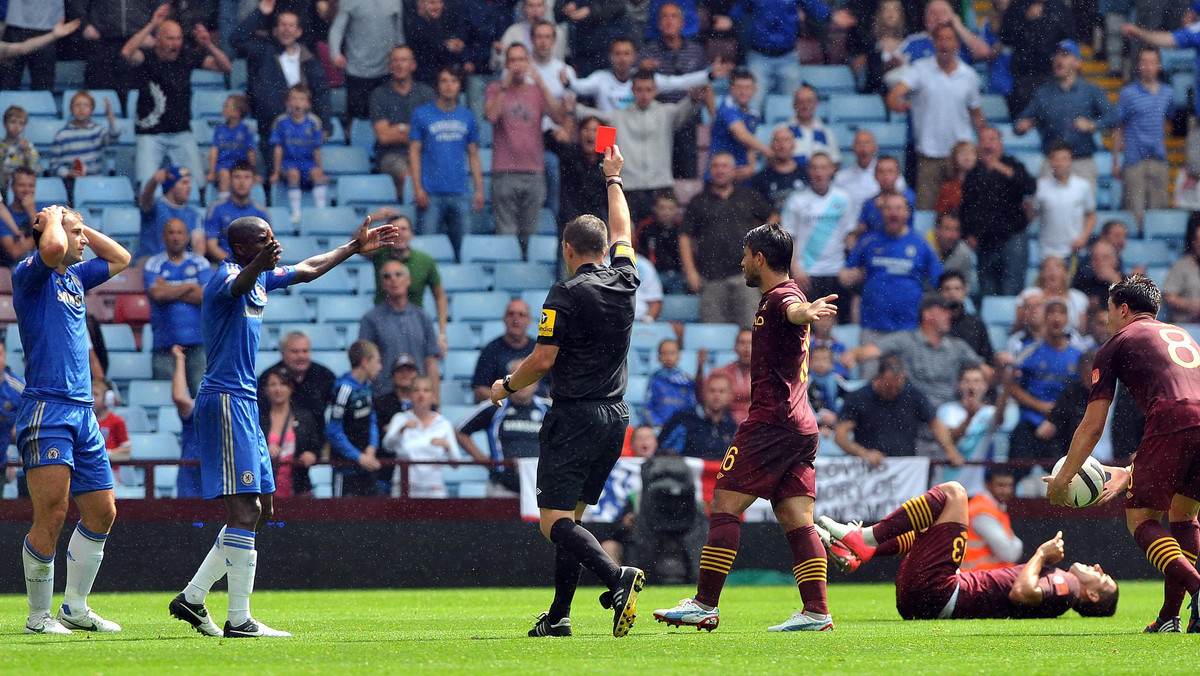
927,576
1166,464
769,462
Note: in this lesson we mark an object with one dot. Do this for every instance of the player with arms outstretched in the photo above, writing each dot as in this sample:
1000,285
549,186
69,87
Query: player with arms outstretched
773,450
1159,364
932,530
56,431
234,462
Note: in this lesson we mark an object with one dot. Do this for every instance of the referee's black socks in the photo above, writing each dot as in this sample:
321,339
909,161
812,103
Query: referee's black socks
566,579
577,540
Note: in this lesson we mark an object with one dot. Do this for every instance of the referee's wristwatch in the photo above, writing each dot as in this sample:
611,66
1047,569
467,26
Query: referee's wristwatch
504,384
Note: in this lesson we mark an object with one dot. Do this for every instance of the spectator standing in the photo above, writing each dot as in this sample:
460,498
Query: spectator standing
175,281
176,185
512,430
890,182
583,189
738,373
164,109
514,108
1067,206
858,179
875,43
17,242
991,542
946,241
657,240
78,148
107,24
513,344
734,125
945,109
33,20
1069,407
973,424
1069,110
782,175
966,327
15,148
1043,370
312,383
435,36
612,89
937,13
714,224
533,12
1033,29
811,134
352,430
993,217
819,219
422,270
293,436
359,39
482,25
1181,290
894,267
1101,270
391,108
963,158
647,302
423,434
1139,138
669,389
227,210
398,327
705,430
671,50
276,63
593,25
443,136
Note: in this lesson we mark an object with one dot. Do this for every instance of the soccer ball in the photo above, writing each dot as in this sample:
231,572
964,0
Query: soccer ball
1087,484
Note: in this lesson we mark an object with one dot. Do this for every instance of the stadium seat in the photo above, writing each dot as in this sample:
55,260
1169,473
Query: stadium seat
437,246
485,160
544,249
855,107
344,160
207,79
1029,142
100,96
135,418
365,191
485,138
336,360
998,310
535,299
459,364
50,190
490,248
646,337
337,133
343,309
1151,252
118,338
464,277
124,221
340,222
149,393
848,334
129,281
154,446
322,336
69,75
635,391
777,108
998,337
547,223
829,80
40,131
516,277
132,309
37,103
1177,60
680,308
995,108
465,481
296,249
123,366
280,218
461,337
282,309
321,478
923,221
362,135
12,339
98,192
891,137
239,76
207,103
709,336
1168,224
337,281
478,306
166,481
1031,160
168,419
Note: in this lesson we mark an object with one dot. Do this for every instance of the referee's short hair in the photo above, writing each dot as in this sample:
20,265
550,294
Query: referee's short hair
773,242
587,234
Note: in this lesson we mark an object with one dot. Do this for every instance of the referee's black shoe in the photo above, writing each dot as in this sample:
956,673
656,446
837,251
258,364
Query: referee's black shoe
543,627
624,599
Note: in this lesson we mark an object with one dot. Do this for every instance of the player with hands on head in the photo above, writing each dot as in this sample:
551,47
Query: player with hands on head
235,463
1158,364
56,433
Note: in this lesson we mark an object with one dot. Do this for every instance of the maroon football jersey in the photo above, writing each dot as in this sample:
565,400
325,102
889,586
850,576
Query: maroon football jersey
984,594
1157,363
779,364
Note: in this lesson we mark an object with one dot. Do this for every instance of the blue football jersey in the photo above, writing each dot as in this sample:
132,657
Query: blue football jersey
299,139
232,144
232,328
52,321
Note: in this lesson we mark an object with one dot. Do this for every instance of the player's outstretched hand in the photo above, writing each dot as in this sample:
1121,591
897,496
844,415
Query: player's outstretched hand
613,161
818,309
1118,480
370,239
1052,550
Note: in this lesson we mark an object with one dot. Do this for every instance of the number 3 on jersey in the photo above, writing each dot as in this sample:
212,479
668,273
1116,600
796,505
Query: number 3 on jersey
1181,347
959,549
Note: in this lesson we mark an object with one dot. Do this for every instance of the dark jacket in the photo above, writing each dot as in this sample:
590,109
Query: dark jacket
991,204
1034,42
482,23
114,18
267,86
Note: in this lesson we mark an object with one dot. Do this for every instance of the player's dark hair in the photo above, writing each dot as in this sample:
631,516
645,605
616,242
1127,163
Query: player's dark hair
1105,607
360,351
773,242
242,229
587,234
1139,292
998,472
951,274
643,74
891,363
242,165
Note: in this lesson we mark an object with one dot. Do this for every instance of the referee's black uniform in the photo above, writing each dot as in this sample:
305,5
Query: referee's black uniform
589,317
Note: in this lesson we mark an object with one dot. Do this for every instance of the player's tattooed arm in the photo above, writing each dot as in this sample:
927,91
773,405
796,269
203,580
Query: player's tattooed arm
806,313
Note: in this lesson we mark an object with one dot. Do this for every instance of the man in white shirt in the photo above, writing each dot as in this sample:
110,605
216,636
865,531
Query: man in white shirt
647,302
534,12
546,44
858,179
945,107
818,219
812,136
613,90
1066,204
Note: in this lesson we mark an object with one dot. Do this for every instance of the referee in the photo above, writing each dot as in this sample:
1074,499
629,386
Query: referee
583,334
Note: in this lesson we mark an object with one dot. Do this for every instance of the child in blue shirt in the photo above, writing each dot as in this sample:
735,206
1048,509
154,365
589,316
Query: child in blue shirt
670,390
297,139
232,142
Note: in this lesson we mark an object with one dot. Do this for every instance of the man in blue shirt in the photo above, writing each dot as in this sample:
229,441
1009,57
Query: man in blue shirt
228,210
57,434
234,462
1187,37
352,430
175,281
442,133
733,127
894,267
704,431
176,185
1142,107
1070,110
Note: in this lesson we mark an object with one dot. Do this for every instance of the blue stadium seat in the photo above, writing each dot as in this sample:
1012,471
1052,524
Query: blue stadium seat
1029,142
296,249
547,224
365,191
777,108
1168,224
12,338
490,248
1125,217
239,77
100,96
516,277
680,308
332,221
485,160
829,80
207,79
891,137
337,101
998,336
1031,160
166,481
635,391
362,135
207,103
456,393
461,337
485,138
343,309
1151,252
321,478
282,309
438,246
710,336
37,103
1103,160
168,420
50,190
136,420
149,393
459,364
337,133
544,249
923,221
123,366
646,337
851,107
465,481
280,218
995,108
41,130
98,192
998,310
118,337
343,160
848,334
335,282
69,75
464,277
154,446
478,306
535,299
121,222
1177,60
337,361
322,336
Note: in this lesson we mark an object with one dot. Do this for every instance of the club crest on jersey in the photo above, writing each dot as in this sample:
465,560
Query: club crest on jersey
546,323
52,454
247,478
280,271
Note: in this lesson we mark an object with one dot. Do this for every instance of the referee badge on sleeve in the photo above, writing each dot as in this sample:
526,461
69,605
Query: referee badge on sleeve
546,323
623,249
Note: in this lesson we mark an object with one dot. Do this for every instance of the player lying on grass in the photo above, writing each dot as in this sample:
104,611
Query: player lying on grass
932,530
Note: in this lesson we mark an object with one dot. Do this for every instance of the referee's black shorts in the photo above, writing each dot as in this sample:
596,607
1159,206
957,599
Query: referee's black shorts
580,442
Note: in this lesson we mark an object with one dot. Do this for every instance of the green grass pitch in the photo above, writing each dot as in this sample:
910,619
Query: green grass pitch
482,631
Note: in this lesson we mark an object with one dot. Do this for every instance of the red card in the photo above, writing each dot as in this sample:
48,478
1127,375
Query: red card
606,137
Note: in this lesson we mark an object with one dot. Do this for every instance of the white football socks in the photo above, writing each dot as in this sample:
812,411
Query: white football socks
241,560
868,536
39,580
84,554
321,195
293,195
208,573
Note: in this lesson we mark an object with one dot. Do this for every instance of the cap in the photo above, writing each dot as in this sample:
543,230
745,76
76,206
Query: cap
174,174
1070,47
1057,300
934,299
402,361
